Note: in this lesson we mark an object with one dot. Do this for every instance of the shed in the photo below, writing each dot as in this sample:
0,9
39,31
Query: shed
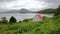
37,17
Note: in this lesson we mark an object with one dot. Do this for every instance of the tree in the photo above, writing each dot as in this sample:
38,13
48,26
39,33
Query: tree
57,12
4,20
12,20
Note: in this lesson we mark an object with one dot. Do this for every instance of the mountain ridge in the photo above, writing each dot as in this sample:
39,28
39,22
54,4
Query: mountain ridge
17,11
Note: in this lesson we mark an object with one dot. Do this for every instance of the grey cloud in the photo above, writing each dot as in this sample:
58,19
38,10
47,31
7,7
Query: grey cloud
52,3
6,0
56,2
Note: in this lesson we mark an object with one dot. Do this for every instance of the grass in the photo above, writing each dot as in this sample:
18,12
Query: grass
47,26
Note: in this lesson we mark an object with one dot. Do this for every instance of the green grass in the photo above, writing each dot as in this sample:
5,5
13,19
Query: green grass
47,26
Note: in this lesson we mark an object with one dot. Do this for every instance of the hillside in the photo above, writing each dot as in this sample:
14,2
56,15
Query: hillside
24,11
18,11
47,11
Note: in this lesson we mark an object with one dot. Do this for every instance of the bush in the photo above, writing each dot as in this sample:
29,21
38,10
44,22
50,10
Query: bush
26,20
57,12
44,17
4,20
20,21
12,20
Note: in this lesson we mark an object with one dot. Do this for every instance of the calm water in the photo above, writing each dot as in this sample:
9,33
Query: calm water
22,16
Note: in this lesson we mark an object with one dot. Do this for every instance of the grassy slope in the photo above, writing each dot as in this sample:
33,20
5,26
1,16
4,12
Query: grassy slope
48,26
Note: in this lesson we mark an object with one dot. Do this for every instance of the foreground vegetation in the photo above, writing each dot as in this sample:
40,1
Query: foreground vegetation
47,26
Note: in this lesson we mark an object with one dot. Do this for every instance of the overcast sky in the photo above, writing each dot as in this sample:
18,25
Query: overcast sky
28,4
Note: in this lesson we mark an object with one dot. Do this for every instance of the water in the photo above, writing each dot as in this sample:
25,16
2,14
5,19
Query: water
22,16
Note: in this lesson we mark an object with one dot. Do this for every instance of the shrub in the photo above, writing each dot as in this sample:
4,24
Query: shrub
44,17
57,12
20,21
12,20
4,20
26,20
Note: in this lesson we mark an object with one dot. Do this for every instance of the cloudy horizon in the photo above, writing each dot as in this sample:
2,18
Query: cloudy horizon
32,5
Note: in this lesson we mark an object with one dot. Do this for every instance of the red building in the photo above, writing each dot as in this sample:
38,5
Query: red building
38,17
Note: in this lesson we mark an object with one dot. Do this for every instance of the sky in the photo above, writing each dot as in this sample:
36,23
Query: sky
32,5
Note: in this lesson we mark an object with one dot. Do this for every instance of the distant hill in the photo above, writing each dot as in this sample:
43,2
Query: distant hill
47,11
10,11
17,11
28,11
25,11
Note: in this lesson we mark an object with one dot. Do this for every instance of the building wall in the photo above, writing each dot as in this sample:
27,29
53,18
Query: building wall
36,19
